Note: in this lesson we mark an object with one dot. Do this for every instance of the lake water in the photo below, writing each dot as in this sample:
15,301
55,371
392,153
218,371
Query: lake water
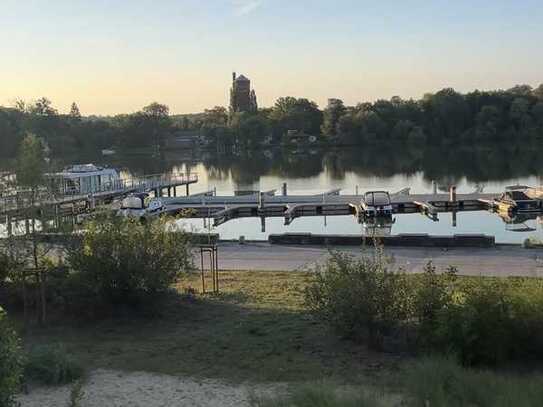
316,171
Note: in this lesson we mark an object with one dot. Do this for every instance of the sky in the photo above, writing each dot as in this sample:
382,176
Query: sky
116,56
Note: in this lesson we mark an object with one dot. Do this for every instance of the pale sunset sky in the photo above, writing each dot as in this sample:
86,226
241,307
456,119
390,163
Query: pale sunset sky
116,56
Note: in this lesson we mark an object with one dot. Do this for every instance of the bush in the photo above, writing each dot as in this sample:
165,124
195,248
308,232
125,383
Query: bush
362,298
52,365
442,382
11,362
482,321
478,327
122,262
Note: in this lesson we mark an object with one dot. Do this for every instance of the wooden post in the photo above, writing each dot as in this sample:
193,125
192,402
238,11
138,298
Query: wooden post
434,187
174,191
217,265
187,189
9,226
203,277
263,224
284,189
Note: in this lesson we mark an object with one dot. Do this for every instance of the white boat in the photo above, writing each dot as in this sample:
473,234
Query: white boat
139,206
376,203
84,179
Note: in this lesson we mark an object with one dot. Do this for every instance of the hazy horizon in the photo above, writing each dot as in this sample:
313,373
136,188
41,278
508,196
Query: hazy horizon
115,58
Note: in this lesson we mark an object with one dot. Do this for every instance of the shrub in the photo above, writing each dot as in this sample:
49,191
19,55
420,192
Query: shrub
122,261
52,365
362,298
11,362
482,321
478,327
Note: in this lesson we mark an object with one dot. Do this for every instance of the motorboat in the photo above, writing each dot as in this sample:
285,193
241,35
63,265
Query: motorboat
520,198
140,206
376,203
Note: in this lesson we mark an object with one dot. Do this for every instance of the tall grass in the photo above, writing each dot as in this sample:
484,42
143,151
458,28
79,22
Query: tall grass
319,395
442,382
52,365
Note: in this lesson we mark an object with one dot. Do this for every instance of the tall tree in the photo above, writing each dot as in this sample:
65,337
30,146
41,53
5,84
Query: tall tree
297,114
30,162
331,116
75,114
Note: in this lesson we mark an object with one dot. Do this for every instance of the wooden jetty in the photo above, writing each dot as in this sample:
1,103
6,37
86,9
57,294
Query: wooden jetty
224,208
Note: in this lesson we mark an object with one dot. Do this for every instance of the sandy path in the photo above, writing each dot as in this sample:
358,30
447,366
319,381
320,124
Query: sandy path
107,388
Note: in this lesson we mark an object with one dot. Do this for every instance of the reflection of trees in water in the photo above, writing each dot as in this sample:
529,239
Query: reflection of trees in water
446,166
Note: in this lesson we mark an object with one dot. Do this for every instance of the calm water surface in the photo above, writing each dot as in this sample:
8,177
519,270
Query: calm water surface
316,171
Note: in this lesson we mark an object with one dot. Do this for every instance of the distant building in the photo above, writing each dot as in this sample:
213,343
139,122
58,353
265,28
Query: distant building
242,97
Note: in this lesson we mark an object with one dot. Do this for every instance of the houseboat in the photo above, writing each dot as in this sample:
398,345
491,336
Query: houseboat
84,179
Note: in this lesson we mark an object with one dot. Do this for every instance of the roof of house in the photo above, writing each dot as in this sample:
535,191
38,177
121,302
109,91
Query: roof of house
242,78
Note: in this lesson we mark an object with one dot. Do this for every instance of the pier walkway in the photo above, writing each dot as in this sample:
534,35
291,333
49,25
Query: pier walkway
15,202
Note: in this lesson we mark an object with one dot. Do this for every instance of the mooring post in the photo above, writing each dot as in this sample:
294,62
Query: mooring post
260,200
174,191
187,189
263,224
452,193
453,218
284,189
356,190
434,187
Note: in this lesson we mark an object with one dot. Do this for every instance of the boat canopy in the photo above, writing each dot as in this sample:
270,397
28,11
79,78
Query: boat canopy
377,198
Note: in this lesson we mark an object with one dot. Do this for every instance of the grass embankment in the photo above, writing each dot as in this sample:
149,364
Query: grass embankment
256,329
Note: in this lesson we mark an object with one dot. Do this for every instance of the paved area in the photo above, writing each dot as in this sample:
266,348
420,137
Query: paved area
499,261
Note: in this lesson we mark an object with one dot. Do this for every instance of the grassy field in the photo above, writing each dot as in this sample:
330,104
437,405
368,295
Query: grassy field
256,329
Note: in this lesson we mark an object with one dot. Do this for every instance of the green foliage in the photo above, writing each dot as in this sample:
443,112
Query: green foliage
11,362
297,114
121,261
318,395
481,321
30,162
52,365
442,382
362,298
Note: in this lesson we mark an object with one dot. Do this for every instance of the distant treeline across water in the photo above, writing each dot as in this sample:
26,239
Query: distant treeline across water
513,116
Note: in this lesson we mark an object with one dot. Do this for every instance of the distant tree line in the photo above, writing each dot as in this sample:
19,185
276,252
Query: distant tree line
444,118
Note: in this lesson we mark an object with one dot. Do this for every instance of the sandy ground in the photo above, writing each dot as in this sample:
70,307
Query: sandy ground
497,261
107,388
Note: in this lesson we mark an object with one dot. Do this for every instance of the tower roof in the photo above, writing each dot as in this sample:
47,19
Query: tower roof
242,78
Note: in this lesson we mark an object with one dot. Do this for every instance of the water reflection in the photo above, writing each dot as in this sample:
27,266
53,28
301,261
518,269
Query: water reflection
490,167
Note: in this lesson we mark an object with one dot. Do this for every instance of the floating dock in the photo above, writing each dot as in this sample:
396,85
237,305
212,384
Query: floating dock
224,208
